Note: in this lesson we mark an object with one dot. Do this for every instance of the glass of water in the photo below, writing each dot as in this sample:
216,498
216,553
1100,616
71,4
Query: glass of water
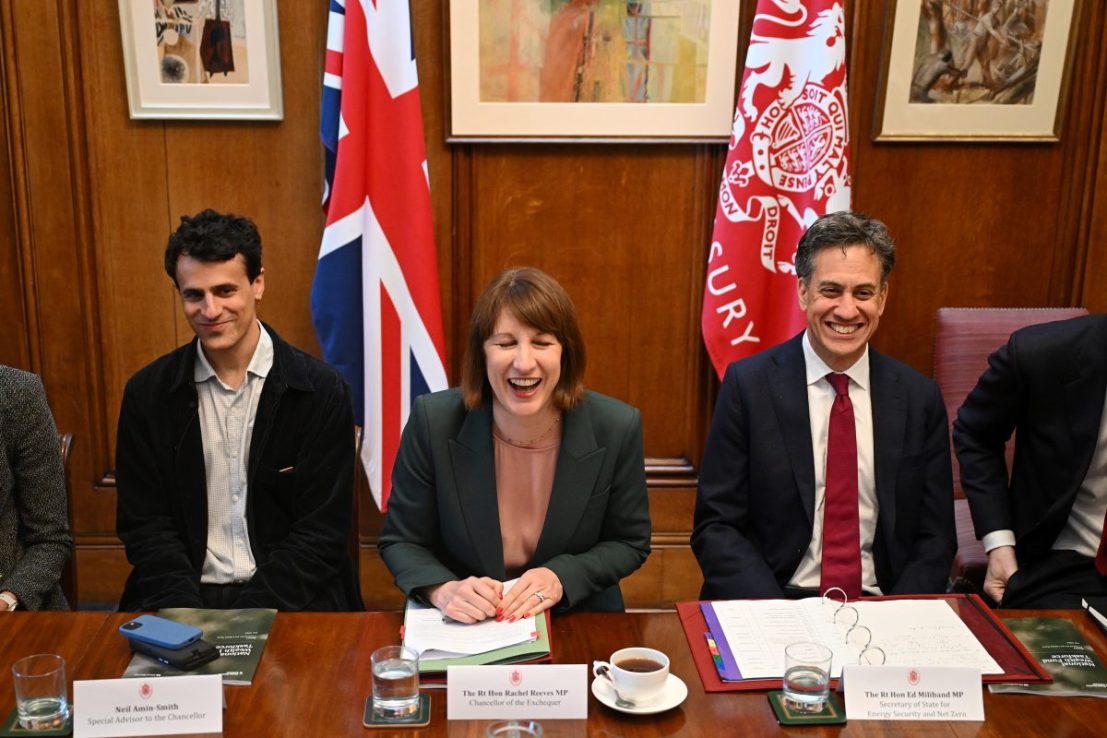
806,676
40,691
395,681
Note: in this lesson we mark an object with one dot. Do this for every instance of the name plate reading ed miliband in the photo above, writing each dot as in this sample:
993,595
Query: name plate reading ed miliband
161,706
912,693
546,692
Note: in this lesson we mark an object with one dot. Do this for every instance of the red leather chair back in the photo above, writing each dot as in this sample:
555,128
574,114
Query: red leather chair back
963,340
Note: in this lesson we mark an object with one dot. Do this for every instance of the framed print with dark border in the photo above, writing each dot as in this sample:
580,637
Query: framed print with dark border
592,70
974,69
202,59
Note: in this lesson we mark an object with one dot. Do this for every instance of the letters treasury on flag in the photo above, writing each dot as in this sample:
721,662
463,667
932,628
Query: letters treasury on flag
375,300
788,163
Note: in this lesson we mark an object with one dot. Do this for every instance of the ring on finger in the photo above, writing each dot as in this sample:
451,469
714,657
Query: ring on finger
541,597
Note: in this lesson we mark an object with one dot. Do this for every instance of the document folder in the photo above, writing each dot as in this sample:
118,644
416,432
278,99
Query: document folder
1017,663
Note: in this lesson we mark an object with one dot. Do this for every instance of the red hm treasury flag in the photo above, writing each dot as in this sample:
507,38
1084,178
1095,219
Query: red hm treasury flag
788,164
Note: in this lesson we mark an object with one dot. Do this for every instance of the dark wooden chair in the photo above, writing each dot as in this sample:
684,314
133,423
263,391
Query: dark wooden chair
69,572
963,340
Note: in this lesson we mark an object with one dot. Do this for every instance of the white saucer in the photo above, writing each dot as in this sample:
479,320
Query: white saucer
672,694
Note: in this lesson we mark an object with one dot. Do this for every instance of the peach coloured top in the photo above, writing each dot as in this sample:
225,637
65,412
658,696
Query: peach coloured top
524,480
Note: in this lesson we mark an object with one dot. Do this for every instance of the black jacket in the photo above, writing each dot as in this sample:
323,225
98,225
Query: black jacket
299,493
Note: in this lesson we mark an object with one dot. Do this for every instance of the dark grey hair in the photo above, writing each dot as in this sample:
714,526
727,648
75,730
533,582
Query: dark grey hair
845,229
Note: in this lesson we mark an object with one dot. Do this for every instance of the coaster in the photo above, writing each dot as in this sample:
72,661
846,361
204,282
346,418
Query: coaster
417,719
831,714
11,726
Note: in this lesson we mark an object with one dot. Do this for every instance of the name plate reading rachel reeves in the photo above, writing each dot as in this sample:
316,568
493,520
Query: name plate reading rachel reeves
546,692
913,693
161,706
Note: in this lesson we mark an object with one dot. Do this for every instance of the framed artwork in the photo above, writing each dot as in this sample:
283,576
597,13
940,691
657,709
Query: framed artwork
592,70
974,69
209,59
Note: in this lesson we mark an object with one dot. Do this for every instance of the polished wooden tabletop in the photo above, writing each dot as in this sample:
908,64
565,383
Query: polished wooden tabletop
314,678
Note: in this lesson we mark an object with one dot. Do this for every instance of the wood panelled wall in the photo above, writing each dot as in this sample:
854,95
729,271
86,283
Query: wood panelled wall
89,196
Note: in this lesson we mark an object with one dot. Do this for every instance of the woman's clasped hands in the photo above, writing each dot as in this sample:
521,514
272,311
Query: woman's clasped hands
474,599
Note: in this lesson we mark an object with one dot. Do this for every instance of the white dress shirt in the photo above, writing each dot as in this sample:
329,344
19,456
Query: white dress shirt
1084,528
820,398
226,426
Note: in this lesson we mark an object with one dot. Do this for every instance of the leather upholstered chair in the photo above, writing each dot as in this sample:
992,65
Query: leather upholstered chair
963,340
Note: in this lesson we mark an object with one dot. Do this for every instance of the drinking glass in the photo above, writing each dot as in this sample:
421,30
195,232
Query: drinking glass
514,729
40,691
806,676
395,681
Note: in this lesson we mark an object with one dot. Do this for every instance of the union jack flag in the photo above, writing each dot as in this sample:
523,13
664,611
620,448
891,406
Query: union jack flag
375,300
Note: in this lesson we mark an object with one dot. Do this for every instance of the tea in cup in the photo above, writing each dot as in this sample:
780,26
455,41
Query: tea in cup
639,673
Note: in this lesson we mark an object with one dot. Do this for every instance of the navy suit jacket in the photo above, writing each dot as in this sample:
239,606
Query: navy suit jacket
1049,381
756,501
443,519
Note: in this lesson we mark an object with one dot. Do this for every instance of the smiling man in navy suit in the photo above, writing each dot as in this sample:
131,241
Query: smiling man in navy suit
828,463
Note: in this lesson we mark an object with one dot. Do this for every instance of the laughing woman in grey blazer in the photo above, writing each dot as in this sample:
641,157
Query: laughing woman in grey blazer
519,474
34,527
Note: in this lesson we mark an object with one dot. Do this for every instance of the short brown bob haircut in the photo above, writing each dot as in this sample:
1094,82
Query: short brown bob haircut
536,299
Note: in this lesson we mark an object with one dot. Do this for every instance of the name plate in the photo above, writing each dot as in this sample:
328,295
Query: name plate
912,693
161,706
546,692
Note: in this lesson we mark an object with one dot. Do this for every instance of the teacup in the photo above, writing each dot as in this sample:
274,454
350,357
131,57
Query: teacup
639,673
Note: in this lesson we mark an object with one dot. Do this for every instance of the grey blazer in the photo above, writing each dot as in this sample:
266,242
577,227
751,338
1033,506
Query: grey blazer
34,523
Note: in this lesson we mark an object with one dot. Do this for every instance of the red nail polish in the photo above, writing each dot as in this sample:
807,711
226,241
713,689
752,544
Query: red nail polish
526,614
512,619
499,618
499,611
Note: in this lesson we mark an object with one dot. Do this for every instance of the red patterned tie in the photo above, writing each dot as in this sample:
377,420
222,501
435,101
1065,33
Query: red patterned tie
841,565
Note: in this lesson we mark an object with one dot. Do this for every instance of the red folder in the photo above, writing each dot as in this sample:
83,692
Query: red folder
1017,663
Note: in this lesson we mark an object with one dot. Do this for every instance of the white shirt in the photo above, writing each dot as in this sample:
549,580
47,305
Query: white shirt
820,398
226,426
1084,528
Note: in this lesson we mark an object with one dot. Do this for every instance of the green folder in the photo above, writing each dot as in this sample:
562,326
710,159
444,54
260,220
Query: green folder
530,651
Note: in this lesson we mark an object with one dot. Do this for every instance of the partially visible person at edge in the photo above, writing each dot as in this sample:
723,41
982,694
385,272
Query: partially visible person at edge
519,473
235,453
1042,520
34,521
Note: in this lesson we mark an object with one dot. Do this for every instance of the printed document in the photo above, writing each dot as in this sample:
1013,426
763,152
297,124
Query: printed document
909,632
432,636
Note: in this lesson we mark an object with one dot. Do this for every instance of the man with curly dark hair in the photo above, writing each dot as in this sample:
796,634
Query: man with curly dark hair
234,460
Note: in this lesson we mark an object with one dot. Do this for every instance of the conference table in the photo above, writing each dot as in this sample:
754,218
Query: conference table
314,678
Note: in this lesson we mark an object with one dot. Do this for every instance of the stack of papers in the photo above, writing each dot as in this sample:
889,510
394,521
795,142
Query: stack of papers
441,642
750,635
432,636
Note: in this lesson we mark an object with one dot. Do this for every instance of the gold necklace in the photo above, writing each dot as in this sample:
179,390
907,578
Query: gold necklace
531,442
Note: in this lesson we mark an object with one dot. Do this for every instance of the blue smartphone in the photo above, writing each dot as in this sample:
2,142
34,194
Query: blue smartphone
160,632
